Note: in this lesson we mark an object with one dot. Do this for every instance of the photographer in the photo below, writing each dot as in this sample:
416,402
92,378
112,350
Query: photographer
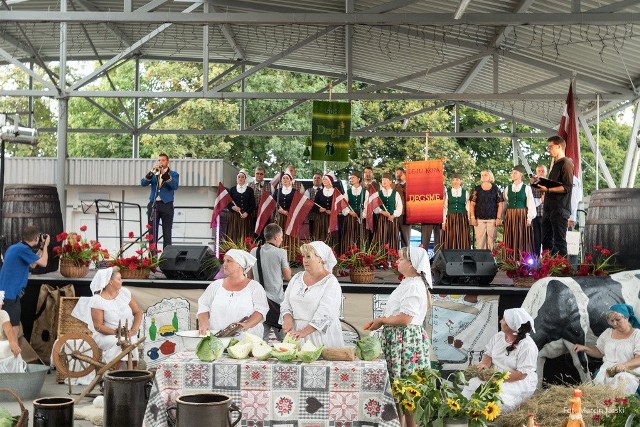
164,183
31,251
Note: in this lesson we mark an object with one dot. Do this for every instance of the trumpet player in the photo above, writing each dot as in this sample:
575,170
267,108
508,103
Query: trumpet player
164,182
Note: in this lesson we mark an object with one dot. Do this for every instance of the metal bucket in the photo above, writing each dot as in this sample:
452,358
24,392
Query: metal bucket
216,408
126,394
53,412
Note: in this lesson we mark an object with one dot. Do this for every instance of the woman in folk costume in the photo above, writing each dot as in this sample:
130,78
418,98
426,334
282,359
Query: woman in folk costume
386,229
10,359
241,209
322,209
455,221
283,197
521,210
353,222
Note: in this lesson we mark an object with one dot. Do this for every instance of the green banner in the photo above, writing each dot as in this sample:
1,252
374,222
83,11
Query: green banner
331,131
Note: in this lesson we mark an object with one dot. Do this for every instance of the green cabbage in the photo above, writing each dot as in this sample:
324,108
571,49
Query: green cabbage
233,342
309,352
251,338
284,356
6,420
368,348
261,351
240,351
290,339
209,348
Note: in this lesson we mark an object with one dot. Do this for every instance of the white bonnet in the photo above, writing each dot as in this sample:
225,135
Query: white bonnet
326,253
101,279
244,258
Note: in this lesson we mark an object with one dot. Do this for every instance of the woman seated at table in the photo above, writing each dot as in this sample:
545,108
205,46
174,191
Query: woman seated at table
229,300
311,306
619,349
9,348
112,304
512,350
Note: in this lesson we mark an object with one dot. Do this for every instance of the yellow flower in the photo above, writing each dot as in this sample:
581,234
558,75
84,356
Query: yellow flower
413,392
491,411
408,405
453,404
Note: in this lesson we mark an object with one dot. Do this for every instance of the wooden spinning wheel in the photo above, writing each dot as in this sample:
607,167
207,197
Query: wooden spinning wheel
76,355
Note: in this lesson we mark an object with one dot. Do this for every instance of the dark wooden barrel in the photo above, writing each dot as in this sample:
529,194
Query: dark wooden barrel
613,221
37,205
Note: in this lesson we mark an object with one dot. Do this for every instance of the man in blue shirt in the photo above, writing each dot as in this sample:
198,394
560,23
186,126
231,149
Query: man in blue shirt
164,183
15,271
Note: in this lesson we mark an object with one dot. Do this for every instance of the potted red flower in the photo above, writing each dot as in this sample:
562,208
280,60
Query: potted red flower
145,259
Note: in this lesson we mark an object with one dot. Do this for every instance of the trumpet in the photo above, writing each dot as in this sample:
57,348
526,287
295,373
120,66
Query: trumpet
156,170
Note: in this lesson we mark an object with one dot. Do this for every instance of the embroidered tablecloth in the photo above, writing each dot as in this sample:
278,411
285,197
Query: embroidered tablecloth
272,393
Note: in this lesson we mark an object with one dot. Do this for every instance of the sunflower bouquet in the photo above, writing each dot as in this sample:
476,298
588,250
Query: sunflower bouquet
433,399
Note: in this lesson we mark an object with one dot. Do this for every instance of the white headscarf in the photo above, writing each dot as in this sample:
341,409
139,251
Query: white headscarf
420,261
516,317
325,252
244,258
1,297
101,279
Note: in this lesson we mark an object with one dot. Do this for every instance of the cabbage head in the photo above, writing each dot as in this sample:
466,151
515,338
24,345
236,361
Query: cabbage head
209,348
308,356
368,348
284,356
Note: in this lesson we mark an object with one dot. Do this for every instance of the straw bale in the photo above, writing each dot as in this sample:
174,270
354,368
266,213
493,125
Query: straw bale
551,405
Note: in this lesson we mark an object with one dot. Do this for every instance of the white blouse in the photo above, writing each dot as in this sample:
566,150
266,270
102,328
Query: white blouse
226,307
317,305
115,310
531,204
398,205
410,297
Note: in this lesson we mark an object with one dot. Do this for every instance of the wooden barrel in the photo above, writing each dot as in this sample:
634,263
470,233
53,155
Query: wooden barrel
613,221
37,205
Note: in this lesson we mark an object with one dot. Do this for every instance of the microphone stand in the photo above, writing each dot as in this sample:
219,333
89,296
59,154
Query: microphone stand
278,192
154,212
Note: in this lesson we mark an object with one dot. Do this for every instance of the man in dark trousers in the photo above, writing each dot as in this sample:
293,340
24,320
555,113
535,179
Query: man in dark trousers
164,183
557,200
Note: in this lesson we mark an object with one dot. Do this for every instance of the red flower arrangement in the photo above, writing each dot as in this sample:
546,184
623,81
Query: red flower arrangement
600,262
244,245
77,248
146,258
372,257
528,265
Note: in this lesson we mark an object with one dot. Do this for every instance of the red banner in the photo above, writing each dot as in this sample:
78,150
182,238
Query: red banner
425,192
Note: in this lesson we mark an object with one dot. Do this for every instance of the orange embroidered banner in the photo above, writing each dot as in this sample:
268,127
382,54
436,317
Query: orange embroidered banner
425,192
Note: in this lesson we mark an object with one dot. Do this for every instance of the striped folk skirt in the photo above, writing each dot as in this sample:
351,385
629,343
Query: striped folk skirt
290,244
517,235
456,235
238,228
353,234
386,232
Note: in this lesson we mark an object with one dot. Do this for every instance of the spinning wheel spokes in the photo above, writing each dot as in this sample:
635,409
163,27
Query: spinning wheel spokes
76,355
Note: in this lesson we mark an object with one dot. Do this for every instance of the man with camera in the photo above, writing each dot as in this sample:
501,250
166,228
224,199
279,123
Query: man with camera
31,251
164,183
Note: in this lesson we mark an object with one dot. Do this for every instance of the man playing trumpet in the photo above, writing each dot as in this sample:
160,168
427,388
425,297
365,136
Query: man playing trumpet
164,183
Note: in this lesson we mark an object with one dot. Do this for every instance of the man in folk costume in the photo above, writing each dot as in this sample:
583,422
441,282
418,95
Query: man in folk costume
455,218
353,222
520,211
322,209
310,193
386,230
242,206
400,186
257,185
283,197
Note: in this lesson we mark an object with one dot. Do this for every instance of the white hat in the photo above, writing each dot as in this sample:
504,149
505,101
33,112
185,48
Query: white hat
420,261
326,253
1,297
244,258
516,317
101,279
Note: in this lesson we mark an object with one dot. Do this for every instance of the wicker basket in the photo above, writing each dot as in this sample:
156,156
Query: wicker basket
523,282
69,268
361,275
23,421
135,274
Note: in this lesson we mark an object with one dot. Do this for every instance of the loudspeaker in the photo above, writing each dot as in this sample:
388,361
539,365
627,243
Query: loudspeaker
189,262
460,266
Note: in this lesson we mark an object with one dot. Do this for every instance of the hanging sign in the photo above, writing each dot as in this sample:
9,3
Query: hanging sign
425,192
331,131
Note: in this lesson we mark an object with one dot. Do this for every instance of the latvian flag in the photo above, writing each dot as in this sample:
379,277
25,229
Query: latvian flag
298,211
373,202
338,204
265,210
222,201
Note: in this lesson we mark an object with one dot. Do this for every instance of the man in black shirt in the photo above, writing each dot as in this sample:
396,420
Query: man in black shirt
557,200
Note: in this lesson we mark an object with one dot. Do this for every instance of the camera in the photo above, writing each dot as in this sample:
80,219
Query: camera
41,240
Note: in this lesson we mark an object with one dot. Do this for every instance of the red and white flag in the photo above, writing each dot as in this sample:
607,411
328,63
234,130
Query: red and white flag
568,130
338,204
372,203
275,181
265,210
298,211
222,201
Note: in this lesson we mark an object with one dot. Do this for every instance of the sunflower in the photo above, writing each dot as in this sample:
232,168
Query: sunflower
491,411
454,405
409,405
413,392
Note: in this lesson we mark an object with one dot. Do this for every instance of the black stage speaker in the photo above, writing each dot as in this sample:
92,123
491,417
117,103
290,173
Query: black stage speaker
464,267
189,262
